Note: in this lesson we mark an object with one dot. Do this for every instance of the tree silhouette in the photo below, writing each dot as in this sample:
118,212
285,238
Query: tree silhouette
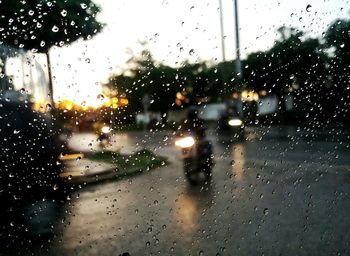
37,25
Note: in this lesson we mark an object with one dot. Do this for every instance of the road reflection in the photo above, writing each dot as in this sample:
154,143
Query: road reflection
238,161
192,206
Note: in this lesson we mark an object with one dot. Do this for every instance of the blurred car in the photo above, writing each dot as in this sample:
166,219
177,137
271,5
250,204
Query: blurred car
29,155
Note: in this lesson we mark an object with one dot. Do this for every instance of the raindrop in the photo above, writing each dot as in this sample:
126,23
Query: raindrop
31,12
266,211
192,8
83,6
342,45
191,52
55,29
64,13
100,97
22,91
308,8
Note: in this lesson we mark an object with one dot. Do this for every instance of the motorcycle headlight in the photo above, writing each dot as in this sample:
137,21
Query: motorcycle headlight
235,122
185,142
105,129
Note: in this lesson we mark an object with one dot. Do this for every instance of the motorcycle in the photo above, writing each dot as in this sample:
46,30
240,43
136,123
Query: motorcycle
231,125
197,155
104,136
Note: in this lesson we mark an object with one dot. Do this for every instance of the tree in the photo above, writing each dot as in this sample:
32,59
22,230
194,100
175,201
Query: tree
337,38
37,25
292,64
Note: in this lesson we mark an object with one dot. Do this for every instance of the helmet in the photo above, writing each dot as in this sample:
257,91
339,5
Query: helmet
192,113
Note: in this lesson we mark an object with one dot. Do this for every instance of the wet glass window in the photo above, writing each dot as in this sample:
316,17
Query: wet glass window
174,127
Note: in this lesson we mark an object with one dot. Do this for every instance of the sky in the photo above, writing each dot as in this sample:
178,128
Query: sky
172,29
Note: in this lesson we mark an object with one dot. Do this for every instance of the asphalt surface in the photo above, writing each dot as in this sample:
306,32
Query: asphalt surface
280,192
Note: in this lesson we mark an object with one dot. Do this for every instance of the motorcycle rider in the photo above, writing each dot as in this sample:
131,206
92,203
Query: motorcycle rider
194,123
202,160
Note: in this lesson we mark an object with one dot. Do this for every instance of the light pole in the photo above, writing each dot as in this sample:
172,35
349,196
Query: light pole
222,32
238,61
238,52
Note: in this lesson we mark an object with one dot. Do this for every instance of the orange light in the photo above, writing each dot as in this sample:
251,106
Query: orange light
124,101
263,93
235,95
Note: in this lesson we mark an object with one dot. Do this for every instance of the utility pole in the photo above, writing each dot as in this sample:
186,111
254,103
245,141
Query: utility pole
238,52
238,61
225,88
222,32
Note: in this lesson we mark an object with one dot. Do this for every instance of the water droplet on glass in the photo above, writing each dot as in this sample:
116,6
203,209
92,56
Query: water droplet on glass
191,52
100,97
266,211
64,13
55,29
48,107
308,8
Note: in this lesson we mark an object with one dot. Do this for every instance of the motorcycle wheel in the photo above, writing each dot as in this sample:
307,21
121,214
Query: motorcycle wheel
190,173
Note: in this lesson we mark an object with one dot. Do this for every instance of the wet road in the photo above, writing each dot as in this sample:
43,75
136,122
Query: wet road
275,194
